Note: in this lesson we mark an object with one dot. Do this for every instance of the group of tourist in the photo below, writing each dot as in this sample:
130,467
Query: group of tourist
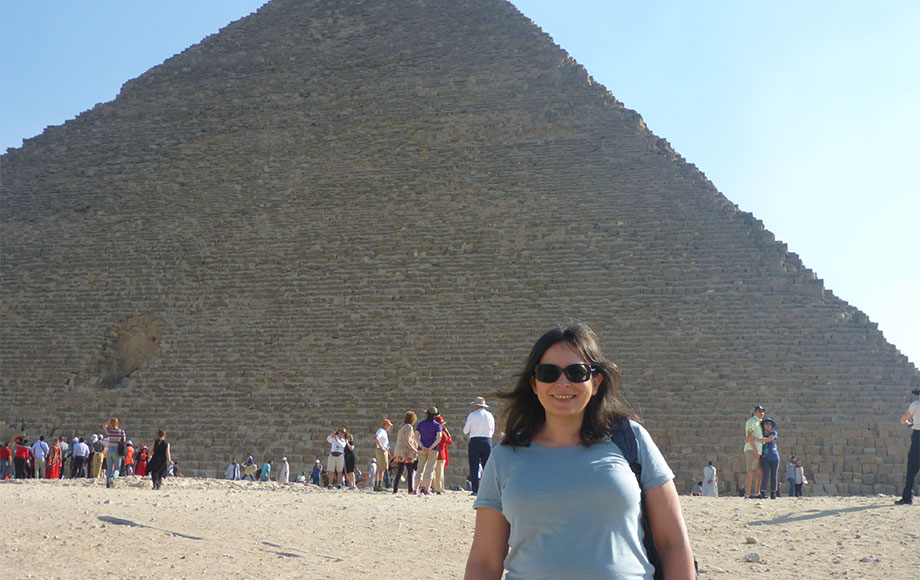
419,456
110,453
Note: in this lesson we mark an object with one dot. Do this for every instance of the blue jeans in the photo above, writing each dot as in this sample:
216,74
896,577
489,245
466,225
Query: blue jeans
112,463
480,448
4,468
769,467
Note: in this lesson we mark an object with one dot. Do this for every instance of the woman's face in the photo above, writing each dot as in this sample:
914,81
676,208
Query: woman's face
564,398
767,427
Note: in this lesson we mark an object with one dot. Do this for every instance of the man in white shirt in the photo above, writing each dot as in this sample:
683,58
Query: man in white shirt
480,425
335,465
80,453
382,442
39,452
912,418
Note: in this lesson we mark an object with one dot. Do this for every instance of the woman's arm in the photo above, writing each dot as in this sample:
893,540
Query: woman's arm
669,532
490,546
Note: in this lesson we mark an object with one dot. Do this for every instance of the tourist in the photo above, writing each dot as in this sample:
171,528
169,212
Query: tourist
790,475
40,451
697,489
6,454
115,451
372,473
316,475
140,467
250,468
65,454
21,457
769,459
382,452
710,481
160,461
233,470
350,460
265,472
443,455
80,452
335,464
800,478
127,464
543,492
406,452
752,449
55,458
429,435
97,454
480,425
912,419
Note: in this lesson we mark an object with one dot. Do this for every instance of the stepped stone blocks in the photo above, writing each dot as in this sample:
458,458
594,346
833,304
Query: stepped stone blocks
332,212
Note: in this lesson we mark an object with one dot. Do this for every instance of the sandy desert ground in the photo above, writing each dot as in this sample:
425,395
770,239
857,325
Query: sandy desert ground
205,528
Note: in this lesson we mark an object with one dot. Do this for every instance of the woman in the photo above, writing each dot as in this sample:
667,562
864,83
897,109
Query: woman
350,460
160,461
53,465
406,452
558,492
116,439
443,455
6,454
769,459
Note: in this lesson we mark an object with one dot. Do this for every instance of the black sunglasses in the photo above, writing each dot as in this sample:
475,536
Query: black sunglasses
577,373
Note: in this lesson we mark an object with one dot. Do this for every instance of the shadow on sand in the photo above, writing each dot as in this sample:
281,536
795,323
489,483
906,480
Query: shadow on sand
123,522
812,515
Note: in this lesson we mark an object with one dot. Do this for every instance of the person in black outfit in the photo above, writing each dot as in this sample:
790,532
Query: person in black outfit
160,461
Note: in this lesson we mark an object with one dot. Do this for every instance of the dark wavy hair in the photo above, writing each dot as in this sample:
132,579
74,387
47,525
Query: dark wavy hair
524,415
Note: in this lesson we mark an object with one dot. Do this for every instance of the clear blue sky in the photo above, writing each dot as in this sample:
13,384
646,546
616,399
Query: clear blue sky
806,114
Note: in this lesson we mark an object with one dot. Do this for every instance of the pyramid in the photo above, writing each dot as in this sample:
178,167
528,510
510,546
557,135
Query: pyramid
332,212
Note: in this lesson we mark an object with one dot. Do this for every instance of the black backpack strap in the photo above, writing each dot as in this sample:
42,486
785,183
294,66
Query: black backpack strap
622,434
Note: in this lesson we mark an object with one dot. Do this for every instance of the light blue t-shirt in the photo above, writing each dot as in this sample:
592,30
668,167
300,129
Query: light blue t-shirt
574,511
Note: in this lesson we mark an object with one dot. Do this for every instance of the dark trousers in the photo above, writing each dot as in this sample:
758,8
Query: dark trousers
76,470
479,448
798,490
157,477
410,481
913,465
19,467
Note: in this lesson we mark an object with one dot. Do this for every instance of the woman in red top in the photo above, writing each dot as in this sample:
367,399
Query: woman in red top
6,455
443,458
53,466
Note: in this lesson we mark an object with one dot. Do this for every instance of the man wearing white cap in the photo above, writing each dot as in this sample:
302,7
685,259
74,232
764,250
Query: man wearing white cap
285,471
480,424
912,419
